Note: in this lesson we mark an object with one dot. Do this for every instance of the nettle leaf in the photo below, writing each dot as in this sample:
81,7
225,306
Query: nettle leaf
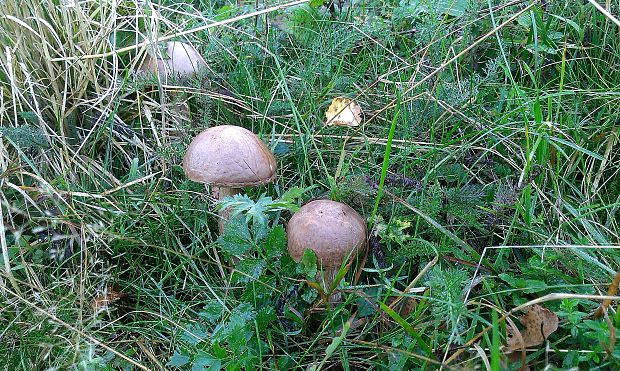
274,243
307,264
236,238
177,360
248,269
264,317
244,311
239,339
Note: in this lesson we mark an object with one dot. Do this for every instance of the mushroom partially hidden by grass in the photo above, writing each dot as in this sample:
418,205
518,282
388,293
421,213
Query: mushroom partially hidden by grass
228,158
180,60
333,230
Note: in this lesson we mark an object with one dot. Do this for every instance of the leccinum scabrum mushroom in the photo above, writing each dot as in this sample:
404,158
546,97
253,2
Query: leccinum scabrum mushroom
182,60
227,158
333,230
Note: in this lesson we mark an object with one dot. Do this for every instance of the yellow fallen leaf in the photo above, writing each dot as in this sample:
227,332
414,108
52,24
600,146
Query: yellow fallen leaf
538,322
343,112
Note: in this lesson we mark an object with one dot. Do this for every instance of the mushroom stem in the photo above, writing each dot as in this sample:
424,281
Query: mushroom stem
224,213
327,277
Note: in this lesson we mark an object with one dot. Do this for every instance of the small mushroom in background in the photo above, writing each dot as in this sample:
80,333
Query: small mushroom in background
227,158
180,59
333,230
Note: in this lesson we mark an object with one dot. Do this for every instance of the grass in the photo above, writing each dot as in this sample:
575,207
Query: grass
486,168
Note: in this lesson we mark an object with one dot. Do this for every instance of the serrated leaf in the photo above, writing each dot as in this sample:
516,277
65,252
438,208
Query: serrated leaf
236,238
248,269
194,334
293,194
218,351
177,360
212,311
307,263
414,8
264,317
259,292
230,330
244,312
274,243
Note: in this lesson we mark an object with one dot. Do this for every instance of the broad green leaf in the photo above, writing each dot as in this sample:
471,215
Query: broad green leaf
274,243
233,328
236,238
293,194
248,269
414,8
264,317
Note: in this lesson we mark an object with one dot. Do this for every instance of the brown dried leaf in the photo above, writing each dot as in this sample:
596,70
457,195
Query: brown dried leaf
343,112
611,291
102,302
538,323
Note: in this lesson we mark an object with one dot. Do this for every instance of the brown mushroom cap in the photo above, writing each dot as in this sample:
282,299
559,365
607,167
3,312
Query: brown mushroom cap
182,59
229,156
331,229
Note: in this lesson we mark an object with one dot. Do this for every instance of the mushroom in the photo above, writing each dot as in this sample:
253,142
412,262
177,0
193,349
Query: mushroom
183,60
333,230
227,158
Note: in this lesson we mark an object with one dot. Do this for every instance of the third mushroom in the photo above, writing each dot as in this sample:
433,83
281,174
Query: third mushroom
333,230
